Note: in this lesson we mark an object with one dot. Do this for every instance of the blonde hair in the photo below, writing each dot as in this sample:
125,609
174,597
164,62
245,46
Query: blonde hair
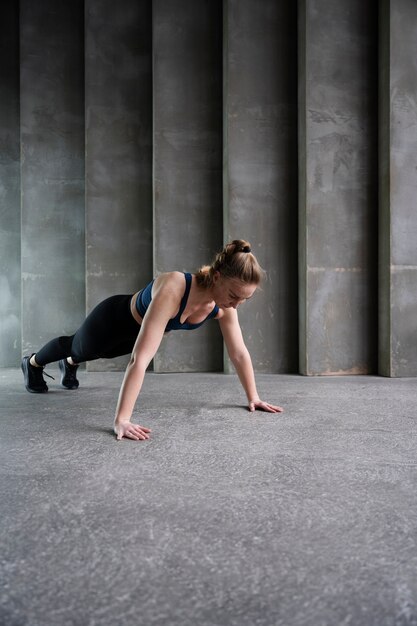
235,261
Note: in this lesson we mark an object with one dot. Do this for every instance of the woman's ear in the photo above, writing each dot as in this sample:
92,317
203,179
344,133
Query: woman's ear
216,276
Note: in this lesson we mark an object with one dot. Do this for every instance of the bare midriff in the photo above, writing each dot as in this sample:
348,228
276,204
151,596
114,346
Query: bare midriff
134,310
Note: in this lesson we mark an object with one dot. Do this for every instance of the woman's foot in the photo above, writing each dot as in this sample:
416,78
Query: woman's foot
68,374
33,376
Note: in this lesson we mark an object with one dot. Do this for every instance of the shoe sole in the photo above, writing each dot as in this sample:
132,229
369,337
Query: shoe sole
25,371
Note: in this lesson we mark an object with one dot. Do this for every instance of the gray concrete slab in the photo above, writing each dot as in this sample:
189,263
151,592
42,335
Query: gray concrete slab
10,296
52,169
118,108
188,216
260,168
398,218
338,186
222,518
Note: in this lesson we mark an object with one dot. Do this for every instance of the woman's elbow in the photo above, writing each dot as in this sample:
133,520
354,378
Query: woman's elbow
239,356
138,362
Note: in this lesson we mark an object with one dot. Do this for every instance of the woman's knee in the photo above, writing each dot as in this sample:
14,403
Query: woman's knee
84,349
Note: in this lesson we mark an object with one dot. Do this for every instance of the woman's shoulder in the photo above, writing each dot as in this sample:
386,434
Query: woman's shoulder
170,283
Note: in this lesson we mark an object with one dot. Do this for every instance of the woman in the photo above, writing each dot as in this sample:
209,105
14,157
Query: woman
136,324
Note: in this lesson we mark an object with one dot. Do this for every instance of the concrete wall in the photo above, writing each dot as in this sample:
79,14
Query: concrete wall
118,118
52,169
260,168
151,131
338,183
188,213
10,322
398,218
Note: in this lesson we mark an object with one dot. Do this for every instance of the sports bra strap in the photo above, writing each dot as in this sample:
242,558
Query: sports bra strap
184,300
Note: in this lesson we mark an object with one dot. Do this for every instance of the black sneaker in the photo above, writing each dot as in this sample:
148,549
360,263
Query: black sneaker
34,381
68,374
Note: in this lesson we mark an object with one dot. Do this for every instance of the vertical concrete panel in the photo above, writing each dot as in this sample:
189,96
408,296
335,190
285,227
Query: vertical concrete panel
119,151
52,169
338,181
260,168
187,159
10,335
398,215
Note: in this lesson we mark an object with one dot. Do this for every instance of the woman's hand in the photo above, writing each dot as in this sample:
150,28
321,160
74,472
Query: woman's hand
264,406
131,431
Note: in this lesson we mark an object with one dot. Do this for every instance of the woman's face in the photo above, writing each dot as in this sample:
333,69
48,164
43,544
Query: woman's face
231,292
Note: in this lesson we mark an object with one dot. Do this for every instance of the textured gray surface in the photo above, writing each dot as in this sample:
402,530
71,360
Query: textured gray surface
93,72
118,103
338,182
260,168
222,518
187,48
398,223
52,169
10,319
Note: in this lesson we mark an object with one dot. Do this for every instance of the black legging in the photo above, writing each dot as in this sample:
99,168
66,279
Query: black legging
109,331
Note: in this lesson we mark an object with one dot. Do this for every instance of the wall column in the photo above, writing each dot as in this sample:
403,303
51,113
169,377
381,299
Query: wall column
118,110
52,169
398,170
10,314
260,169
187,160
337,183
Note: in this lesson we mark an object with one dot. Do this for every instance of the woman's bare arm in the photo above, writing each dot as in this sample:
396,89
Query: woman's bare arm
240,357
166,297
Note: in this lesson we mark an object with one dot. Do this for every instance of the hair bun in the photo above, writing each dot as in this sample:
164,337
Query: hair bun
233,262
238,245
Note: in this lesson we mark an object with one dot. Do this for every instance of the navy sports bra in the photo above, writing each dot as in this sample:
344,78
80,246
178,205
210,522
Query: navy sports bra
145,296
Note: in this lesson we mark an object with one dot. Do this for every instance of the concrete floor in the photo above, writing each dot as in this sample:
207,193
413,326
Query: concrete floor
223,518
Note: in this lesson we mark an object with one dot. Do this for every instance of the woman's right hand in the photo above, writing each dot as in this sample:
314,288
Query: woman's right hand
131,431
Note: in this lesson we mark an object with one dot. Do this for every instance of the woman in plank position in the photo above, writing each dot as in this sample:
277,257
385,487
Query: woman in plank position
136,324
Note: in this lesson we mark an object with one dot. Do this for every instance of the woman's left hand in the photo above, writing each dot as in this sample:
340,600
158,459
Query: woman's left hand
259,405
